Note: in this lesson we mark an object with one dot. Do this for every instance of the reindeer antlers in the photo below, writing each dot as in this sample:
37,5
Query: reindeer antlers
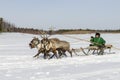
44,34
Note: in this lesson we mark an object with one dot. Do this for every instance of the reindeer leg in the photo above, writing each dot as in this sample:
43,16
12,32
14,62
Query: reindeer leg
37,54
48,55
60,54
54,54
70,52
44,55
64,53
51,56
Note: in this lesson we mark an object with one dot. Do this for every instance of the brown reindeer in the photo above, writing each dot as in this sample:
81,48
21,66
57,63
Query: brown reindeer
54,44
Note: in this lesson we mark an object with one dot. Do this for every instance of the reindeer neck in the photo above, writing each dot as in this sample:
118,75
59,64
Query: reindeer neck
37,45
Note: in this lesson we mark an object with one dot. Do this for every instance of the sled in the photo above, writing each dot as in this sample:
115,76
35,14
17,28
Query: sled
96,50
93,50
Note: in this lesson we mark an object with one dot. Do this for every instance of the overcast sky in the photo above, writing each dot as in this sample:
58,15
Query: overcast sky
92,14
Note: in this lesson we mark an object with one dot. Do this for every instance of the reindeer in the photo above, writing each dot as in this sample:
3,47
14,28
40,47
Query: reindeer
36,43
63,46
55,44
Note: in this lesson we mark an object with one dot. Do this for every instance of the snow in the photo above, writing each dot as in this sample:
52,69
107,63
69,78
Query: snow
17,62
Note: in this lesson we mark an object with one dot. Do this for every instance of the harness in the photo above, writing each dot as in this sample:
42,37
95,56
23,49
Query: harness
47,46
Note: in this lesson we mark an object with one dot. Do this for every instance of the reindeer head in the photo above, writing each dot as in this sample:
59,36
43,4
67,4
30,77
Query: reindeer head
45,39
35,41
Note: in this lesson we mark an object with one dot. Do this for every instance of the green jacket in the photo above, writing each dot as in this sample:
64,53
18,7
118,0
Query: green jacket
97,41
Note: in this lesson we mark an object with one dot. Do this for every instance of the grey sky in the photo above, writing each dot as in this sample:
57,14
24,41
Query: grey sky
92,14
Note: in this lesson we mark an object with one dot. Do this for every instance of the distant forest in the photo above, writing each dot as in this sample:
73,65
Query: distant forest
9,27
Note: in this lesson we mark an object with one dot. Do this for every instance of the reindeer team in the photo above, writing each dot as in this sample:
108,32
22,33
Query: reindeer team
54,45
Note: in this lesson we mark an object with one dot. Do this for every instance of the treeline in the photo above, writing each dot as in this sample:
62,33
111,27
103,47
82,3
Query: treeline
84,31
8,27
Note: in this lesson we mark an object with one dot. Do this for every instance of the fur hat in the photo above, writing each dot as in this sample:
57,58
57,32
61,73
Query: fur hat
97,34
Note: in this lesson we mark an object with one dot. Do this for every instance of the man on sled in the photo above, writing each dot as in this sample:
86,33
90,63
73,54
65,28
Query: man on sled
98,42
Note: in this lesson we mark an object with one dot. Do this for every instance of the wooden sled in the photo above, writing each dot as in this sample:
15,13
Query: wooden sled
93,50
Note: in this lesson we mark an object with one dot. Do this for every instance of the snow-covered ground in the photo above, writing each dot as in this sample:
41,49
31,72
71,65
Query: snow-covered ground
17,62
